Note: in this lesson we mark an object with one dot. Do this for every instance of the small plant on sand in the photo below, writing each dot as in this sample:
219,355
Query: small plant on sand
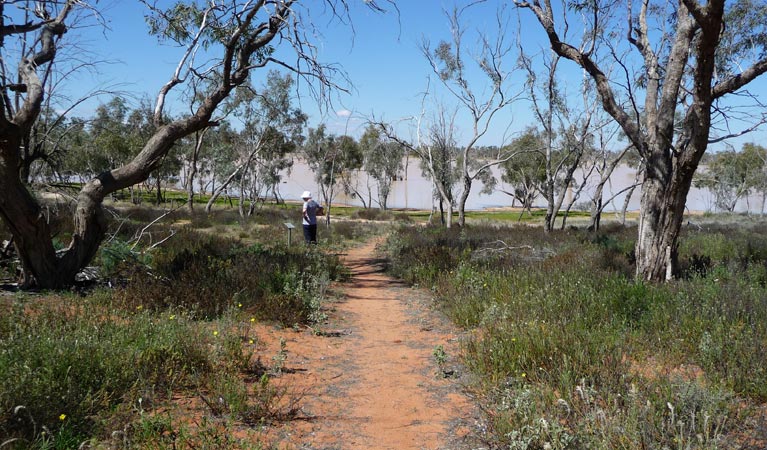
259,403
440,358
280,357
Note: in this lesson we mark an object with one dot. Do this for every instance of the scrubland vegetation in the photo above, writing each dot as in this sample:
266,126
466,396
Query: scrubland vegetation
569,351
100,364
565,348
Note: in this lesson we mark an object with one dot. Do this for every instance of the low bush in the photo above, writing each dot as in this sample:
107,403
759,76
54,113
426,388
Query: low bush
342,232
373,214
736,247
206,275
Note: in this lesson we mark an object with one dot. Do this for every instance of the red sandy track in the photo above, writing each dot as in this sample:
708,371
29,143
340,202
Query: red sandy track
371,380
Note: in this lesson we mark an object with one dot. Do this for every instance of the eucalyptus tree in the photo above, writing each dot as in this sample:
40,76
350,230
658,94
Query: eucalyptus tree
759,178
733,175
726,176
270,123
45,143
141,125
604,162
108,141
330,156
359,184
237,37
526,172
318,151
284,124
277,158
481,102
679,62
218,155
436,149
109,145
439,162
382,161
64,162
191,165
567,128
608,152
262,174
48,144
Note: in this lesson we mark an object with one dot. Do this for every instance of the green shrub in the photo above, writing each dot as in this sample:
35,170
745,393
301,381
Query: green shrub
206,275
653,414
118,260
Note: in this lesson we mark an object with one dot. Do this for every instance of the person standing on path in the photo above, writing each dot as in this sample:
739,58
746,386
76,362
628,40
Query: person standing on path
310,211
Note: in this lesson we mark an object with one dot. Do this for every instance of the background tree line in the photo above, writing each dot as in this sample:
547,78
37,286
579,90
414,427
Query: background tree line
683,82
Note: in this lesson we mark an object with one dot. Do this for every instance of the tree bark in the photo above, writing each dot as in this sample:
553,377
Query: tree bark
661,212
158,186
241,198
22,215
596,211
200,136
626,202
551,215
467,181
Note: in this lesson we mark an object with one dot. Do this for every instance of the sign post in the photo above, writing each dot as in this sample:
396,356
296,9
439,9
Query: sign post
290,227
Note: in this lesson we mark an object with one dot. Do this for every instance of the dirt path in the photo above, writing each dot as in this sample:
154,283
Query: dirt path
371,378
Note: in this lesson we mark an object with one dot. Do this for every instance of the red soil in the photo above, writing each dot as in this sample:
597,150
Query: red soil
370,378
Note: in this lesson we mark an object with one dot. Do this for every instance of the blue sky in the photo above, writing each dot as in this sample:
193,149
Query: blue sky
381,56
379,52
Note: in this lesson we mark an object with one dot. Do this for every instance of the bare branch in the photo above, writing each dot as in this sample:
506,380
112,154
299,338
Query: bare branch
162,241
642,43
177,79
614,196
736,82
630,127
29,111
140,233
500,248
743,132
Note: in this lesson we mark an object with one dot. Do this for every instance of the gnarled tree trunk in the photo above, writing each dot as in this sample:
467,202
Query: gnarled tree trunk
20,211
22,214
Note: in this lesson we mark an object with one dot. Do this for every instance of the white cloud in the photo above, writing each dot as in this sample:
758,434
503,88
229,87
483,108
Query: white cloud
343,113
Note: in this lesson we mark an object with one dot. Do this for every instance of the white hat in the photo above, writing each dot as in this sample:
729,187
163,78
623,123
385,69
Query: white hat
306,194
